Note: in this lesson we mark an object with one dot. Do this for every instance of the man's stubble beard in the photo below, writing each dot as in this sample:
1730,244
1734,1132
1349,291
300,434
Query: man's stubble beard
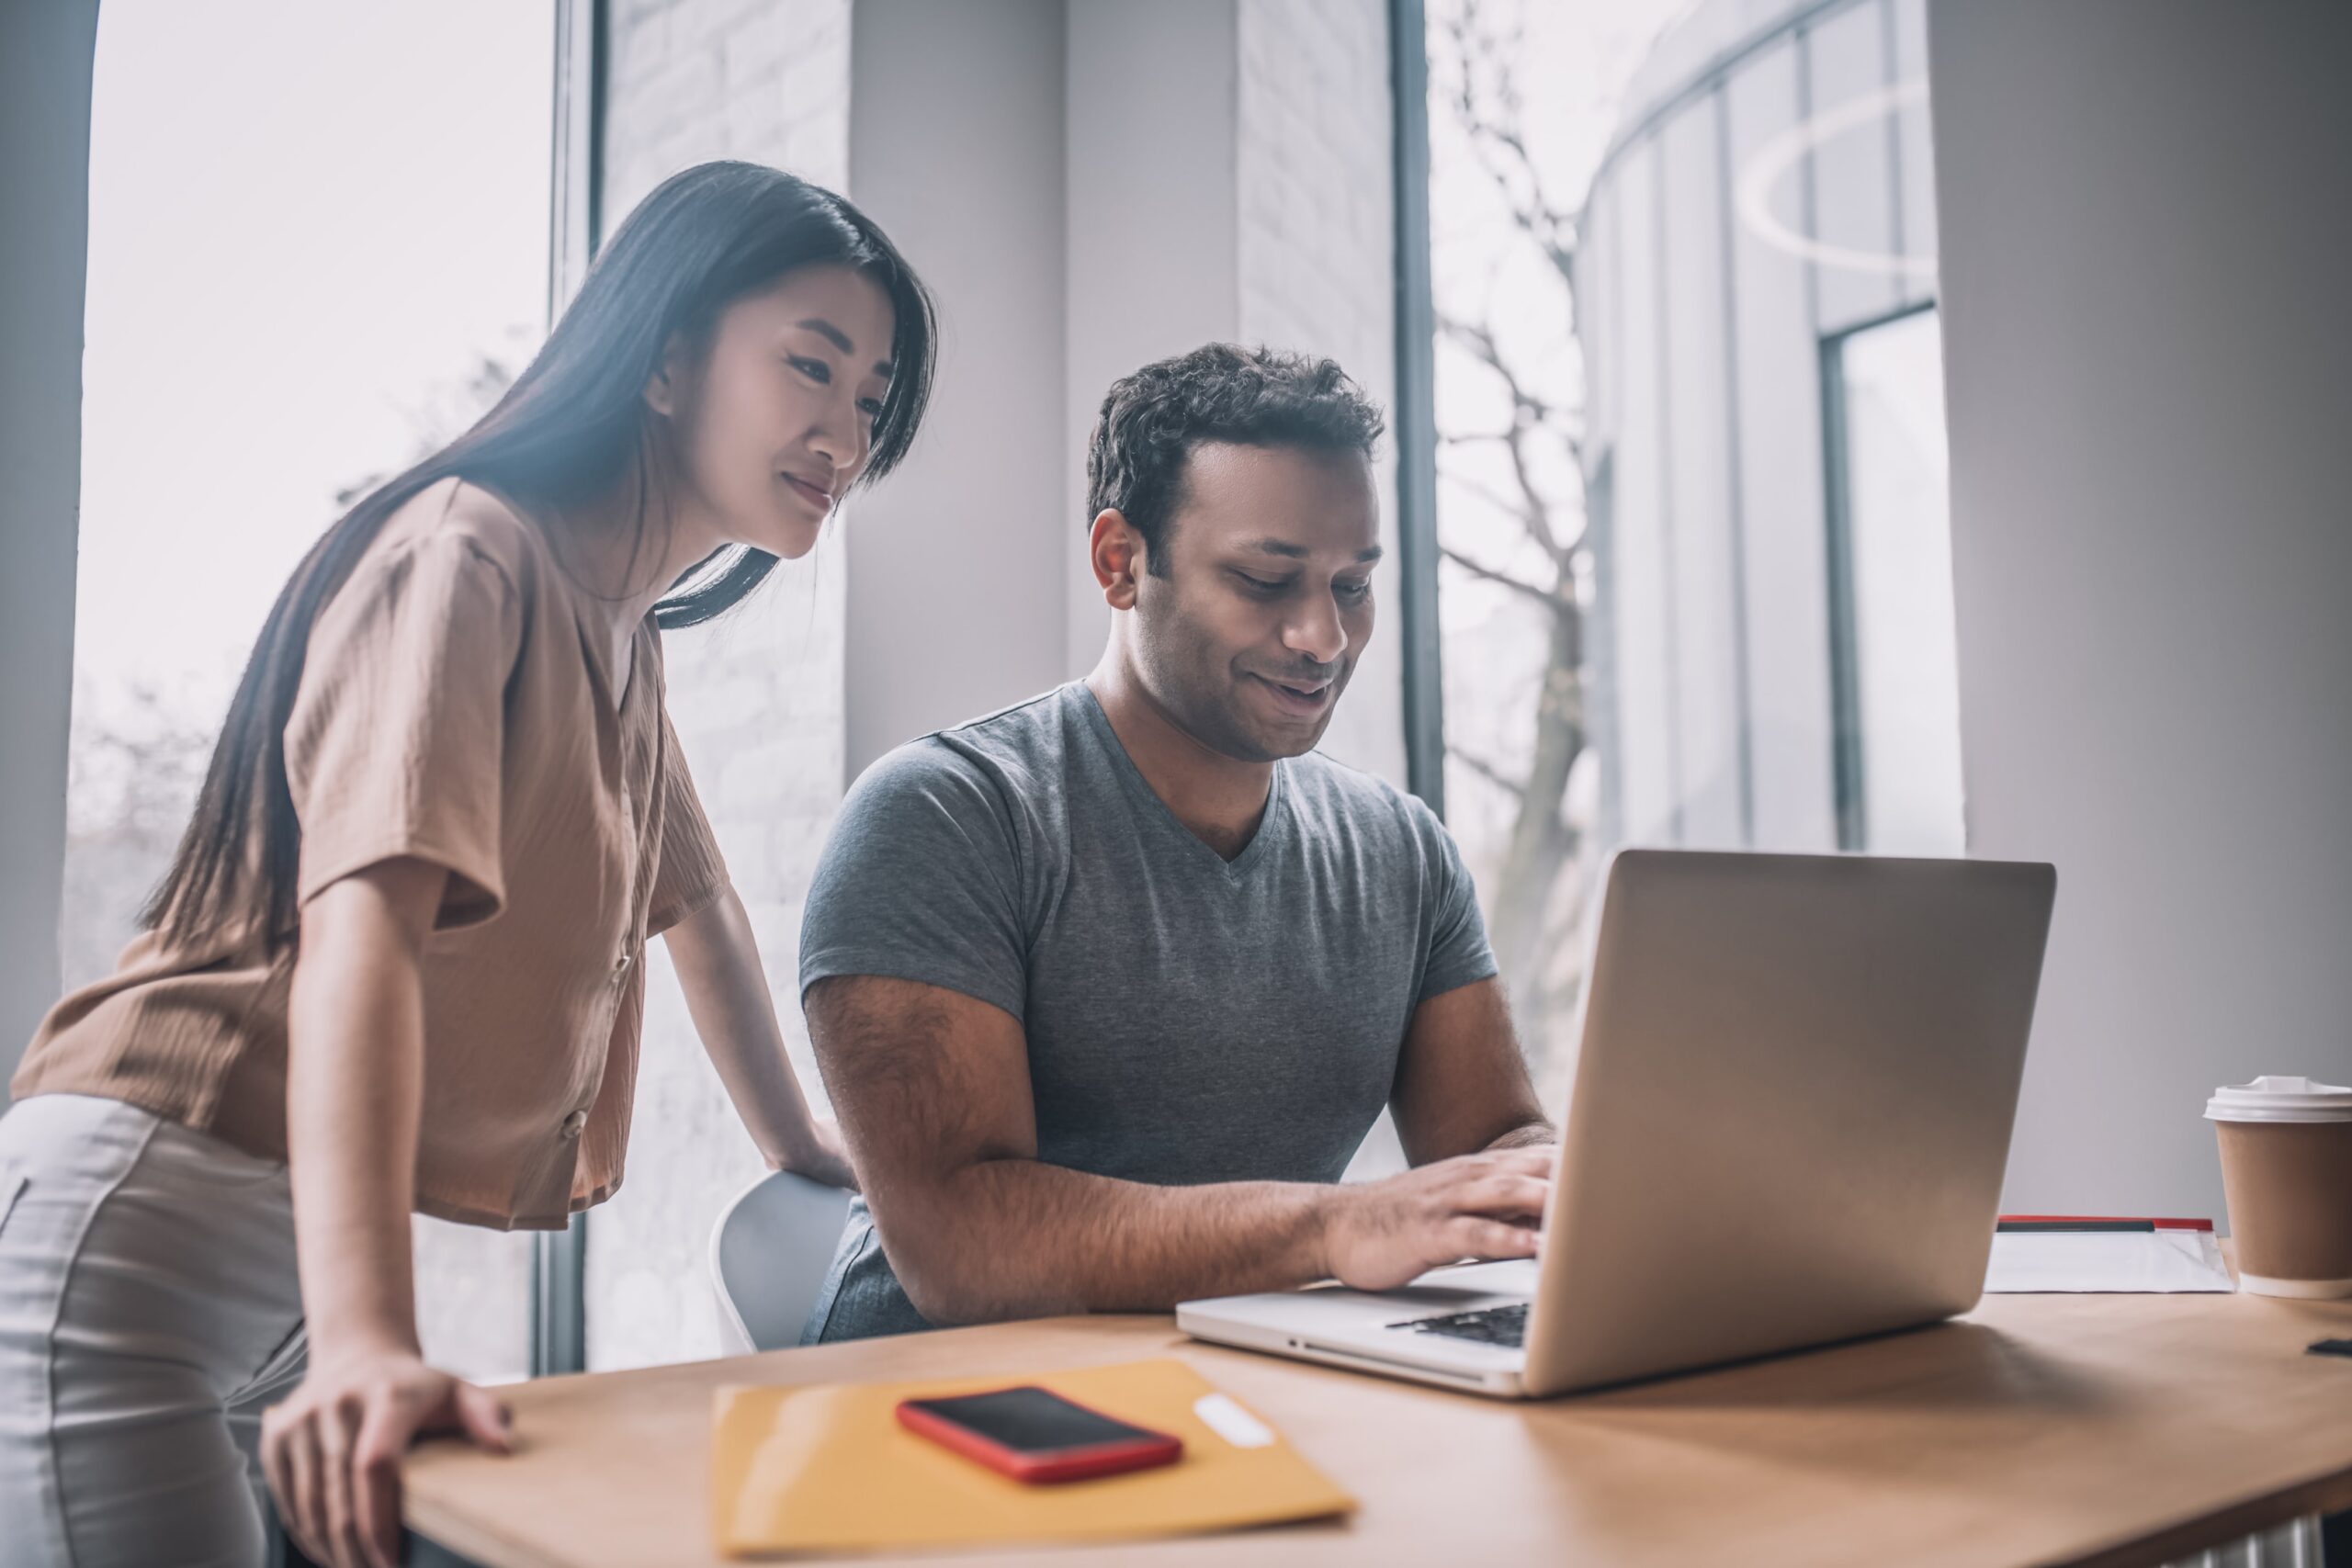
1180,669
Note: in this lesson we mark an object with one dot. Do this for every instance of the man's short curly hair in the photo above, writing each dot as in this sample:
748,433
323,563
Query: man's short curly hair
1152,420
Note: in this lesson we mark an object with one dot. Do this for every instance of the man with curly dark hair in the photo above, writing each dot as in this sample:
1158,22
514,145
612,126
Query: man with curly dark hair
1108,988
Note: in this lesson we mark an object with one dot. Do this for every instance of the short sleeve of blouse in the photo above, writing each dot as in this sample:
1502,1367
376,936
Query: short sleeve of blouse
395,745
692,872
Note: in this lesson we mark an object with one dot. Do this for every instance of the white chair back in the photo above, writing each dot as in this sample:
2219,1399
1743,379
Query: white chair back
769,1254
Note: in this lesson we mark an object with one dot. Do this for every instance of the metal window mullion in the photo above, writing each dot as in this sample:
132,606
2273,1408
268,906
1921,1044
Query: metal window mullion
1662,344
1415,414
1845,671
1735,489
560,1258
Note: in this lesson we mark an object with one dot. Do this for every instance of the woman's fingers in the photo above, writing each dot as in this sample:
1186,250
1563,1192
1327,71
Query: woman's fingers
395,1415
332,1452
299,1504
275,1469
376,1478
485,1419
336,1425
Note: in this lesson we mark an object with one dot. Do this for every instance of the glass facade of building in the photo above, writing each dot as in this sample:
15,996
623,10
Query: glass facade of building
1773,654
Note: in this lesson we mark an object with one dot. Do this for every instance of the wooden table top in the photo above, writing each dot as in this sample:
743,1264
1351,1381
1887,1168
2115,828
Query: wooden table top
2045,1428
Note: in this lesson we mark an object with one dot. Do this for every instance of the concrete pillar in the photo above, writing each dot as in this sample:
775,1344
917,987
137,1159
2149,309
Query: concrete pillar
46,53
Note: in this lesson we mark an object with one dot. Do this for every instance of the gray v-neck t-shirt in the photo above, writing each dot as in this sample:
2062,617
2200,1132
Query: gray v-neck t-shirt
1189,1018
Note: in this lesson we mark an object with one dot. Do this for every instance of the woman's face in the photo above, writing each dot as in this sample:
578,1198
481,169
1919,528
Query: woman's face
781,419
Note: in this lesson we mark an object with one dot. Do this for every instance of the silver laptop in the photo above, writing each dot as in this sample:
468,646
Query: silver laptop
1789,1115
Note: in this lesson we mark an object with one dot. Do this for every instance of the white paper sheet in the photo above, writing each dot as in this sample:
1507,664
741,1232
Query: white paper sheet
2116,1261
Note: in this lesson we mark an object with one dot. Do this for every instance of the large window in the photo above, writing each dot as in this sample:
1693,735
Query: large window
1694,583
318,246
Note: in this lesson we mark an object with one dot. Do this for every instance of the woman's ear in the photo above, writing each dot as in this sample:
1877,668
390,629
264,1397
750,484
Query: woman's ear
664,388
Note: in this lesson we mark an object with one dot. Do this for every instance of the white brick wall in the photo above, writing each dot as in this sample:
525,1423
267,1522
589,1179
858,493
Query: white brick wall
689,80
1315,184
757,697
1316,193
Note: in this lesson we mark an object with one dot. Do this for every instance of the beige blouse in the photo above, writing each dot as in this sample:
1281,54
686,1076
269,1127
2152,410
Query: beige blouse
455,706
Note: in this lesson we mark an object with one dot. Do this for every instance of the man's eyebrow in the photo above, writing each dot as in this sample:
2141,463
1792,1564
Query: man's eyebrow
840,339
1299,552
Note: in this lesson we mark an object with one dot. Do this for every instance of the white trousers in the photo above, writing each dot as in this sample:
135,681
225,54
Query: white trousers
149,1310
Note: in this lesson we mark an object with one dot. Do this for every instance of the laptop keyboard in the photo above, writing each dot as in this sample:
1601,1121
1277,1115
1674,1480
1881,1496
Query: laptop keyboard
1505,1325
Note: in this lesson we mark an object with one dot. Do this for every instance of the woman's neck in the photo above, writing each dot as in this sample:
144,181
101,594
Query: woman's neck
636,539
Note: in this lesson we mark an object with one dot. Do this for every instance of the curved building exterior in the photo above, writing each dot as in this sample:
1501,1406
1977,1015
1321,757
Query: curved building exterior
1771,662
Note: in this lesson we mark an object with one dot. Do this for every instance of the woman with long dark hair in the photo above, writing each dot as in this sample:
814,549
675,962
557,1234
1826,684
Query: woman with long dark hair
395,965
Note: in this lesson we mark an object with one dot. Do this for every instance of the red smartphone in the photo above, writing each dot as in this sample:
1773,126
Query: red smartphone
1035,1435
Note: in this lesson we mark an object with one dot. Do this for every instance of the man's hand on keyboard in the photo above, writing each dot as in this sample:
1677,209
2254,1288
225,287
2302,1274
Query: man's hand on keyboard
1383,1234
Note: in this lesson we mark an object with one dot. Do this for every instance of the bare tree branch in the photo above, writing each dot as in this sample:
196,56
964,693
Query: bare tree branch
1491,111
1530,413
1505,156
1478,339
1518,509
1540,523
1486,771
1543,596
1479,48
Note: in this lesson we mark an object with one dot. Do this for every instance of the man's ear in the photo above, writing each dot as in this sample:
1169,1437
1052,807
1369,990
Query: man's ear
1118,554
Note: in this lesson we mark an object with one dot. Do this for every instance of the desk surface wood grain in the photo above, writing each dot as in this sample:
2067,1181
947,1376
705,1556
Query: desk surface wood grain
2077,1429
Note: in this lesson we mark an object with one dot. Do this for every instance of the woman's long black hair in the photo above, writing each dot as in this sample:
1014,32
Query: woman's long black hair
568,429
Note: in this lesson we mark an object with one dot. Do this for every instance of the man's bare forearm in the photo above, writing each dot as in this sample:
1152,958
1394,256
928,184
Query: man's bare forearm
1538,1134
932,1090
1004,1238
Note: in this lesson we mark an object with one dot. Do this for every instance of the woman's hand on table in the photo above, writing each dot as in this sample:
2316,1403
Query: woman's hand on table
332,1449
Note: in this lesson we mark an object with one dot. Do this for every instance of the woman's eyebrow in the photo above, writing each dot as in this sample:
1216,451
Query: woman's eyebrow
829,332
840,339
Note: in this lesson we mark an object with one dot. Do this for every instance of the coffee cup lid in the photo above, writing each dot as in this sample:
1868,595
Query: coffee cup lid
2272,1099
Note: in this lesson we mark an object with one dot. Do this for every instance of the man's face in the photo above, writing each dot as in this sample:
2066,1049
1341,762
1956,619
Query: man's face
1250,637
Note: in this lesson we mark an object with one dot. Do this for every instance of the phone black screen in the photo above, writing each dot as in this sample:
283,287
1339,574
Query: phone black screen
1030,1420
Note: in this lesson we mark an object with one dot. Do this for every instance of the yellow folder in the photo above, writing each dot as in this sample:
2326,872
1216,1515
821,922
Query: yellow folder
828,1469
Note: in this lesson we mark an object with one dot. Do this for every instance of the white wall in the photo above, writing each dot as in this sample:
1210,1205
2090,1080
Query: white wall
957,563
46,55
1153,101
2148,350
